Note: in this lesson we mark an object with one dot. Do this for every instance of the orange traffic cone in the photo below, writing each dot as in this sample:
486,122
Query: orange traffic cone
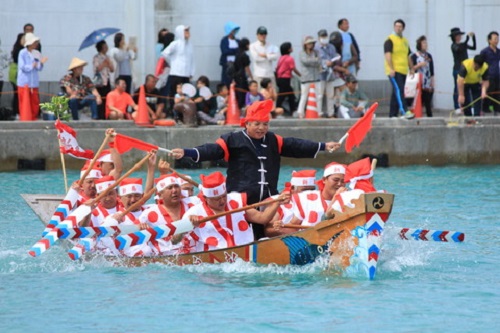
24,103
312,107
142,118
233,111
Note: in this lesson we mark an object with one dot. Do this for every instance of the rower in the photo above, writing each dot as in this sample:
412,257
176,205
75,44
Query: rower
254,155
88,189
130,191
359,175
303,180
310,206
226,231
106,206
110,160
171,208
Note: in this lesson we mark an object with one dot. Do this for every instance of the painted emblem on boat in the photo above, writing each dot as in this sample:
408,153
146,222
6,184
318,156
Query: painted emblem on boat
378,203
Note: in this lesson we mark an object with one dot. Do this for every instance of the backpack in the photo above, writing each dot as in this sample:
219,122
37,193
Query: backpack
7,113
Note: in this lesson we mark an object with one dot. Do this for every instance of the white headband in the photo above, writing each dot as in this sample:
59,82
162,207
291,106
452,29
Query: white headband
333,169
130,189
166,182
214,191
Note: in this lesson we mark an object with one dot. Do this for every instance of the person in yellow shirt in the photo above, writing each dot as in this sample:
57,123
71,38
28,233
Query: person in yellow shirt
472,83
397,65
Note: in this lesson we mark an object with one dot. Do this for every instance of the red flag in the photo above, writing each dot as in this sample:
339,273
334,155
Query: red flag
124,143
68,144
359,130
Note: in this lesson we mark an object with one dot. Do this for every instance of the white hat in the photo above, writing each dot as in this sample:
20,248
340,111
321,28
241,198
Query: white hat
303,178
30,38
334,168
103,183
95,172
105,156
165,181
131,186
213,185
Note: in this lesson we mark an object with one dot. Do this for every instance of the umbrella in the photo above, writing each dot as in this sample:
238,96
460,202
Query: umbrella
96,36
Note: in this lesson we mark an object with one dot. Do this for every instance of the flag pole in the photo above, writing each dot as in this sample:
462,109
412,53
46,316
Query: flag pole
343,138
63,163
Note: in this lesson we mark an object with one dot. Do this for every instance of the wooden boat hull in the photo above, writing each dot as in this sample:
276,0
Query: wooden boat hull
352,239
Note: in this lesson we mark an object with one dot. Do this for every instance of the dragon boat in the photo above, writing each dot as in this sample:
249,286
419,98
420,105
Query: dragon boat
352,239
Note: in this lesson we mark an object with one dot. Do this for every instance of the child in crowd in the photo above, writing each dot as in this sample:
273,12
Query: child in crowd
252,95
269,92
219,115
206,106
179,95
284,69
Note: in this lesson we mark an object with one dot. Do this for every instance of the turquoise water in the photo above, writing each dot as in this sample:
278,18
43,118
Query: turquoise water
419,287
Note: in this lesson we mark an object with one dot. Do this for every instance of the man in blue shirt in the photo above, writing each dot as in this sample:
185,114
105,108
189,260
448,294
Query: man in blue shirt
491,55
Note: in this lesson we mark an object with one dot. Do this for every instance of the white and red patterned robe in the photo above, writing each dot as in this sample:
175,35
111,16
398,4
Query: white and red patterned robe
226,231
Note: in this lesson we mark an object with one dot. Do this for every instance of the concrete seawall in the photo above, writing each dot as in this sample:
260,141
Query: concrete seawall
426,141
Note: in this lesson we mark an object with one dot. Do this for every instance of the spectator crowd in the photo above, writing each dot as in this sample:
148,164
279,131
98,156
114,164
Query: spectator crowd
327,64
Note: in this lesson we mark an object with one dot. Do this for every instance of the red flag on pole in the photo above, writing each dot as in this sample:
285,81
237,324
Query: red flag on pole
358,131
124,143
68,144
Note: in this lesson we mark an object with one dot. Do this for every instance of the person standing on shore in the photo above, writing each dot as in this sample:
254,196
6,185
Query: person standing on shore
30,62
459,51
397,64
491,55
424,64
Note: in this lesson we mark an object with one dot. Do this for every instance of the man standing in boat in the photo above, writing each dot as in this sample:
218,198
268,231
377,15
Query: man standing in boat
254,155
228,230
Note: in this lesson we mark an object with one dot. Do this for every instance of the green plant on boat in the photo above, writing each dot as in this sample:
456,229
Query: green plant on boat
58,106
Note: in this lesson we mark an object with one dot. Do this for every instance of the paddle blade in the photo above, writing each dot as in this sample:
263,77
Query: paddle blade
359,130
144,236
432,235
52,236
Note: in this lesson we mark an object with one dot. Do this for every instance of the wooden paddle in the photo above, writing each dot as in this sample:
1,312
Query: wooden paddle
177,227
166,165
413,234
96,156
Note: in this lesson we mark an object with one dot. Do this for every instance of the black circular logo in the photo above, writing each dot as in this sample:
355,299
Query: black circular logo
378,203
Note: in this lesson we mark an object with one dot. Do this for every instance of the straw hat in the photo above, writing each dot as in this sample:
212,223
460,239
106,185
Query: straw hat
76,62
309,39
30,38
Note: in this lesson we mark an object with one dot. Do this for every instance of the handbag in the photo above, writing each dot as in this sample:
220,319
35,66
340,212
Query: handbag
97,80
13,72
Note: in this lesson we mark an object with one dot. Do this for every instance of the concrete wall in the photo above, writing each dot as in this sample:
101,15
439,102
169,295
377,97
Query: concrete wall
62,25
424,141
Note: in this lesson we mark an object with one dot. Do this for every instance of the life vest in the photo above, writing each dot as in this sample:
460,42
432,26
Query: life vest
309,206
226,231
400,53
